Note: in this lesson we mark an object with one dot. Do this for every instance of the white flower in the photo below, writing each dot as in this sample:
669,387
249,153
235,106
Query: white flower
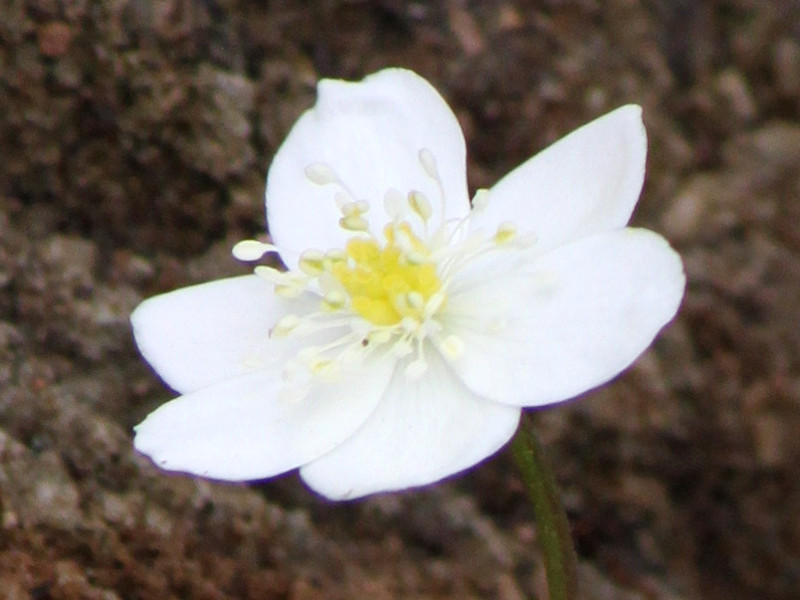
409,329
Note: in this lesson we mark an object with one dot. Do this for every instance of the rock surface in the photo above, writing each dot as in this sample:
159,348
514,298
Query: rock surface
134,140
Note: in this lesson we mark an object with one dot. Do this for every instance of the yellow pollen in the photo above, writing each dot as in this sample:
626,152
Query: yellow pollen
388,283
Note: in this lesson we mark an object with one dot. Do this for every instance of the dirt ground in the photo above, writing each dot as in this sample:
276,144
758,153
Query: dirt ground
134,141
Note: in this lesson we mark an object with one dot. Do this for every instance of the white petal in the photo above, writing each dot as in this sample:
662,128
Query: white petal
422,431
370,134
585,183
204,334
249,428
569,320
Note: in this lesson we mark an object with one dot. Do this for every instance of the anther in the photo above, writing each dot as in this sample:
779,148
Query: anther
323,366
505,233
428,162
420,204
321,174
342,198
333,300
285,326
379,337
435,302
354,209
481,199
336,255
312,263
354,223
251,250
415,300
452,347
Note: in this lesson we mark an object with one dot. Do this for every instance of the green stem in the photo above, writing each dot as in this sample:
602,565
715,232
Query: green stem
560,562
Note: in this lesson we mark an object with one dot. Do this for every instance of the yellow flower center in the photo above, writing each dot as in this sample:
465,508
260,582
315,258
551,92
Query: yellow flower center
389,283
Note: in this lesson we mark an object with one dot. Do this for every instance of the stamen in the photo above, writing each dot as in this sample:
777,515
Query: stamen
335,256
285,326
333,301
415,300
428,161
354,223
312,263
505,233
286,278
343,197
480,200
420,204
452,347
321,174
354,209
380,293
416,258
251,250
324,367
379,337
434,304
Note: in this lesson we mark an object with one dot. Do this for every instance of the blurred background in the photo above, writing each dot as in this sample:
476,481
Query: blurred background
134,140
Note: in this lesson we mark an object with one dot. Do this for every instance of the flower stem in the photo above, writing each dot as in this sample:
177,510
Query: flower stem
560,561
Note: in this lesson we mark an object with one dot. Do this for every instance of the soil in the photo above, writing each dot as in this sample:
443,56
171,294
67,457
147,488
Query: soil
134,141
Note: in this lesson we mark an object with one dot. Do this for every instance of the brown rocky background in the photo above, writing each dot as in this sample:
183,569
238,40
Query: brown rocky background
134,140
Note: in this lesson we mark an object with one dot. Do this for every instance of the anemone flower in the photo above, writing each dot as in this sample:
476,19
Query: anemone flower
411,325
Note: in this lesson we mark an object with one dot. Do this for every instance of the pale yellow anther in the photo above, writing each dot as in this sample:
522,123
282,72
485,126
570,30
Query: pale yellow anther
435,302
288,292
403,240
251,250
420,204
323,366
481,199
354,223
428,162
380,336
321,174
312,263
285,326
334,300
415,300
343,197
272,275
452,347
505,233
350,209
335,255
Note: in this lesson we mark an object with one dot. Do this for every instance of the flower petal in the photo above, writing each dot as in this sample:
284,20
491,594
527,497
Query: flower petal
422,431
567,321
204,334
253,427
587,182
370,134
